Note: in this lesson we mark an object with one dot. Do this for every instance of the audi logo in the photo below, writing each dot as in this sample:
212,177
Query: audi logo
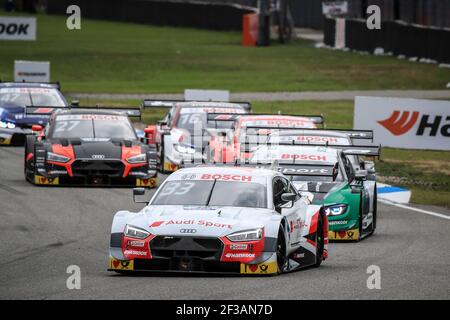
188,230
98,156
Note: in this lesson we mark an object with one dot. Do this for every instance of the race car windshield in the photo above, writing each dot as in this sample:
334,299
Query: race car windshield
188,121
212,193
31,97
93,127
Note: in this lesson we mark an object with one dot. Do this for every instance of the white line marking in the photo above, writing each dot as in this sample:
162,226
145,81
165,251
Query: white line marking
435,214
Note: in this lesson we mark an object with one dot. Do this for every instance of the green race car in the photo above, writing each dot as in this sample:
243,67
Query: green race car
327,176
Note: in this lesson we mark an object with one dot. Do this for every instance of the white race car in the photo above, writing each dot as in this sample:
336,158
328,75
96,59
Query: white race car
221,219
184,132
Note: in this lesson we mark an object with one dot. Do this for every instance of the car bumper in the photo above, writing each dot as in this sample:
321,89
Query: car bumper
343,230
95,181
178,158
14,137
194,265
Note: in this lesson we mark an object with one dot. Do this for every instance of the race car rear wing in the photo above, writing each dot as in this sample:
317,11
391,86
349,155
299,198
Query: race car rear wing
316,119
159,103
47,111
353,134
56,85
360,150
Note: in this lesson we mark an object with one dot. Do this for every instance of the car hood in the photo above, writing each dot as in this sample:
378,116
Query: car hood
320,190
200,221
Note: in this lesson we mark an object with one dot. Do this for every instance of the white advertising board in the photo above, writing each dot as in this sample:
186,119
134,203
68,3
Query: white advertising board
405,123
206,95
32,71
17,28
334,7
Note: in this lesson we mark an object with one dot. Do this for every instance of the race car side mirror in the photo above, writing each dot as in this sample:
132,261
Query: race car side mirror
36,128
286,197
150,134
361,175
138,192
75,103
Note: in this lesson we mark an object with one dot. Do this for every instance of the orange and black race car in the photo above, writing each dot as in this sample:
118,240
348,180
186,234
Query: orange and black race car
89,146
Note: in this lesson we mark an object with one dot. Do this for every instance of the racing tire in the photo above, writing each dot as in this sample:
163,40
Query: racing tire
162,160
374,214
27,168
320,242
282,259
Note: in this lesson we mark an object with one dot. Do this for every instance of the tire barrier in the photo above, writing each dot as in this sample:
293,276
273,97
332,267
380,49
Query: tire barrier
396,37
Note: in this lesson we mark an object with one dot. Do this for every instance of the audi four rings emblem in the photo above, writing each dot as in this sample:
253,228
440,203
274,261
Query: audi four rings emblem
188,230
98,156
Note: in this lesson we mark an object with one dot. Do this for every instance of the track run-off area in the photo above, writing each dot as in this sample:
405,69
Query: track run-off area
44,230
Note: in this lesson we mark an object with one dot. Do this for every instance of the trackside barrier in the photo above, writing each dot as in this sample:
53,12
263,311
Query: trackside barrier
396,37
250,26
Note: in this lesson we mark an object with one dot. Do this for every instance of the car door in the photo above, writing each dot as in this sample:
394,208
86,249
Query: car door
287,209
365,198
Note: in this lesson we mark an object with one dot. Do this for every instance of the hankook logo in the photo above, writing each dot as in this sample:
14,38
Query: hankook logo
400,123
188,230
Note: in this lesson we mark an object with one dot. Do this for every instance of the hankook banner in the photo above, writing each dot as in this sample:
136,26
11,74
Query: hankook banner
405,123
17,28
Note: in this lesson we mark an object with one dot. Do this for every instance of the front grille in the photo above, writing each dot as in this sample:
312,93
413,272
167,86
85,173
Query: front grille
186,247
97,167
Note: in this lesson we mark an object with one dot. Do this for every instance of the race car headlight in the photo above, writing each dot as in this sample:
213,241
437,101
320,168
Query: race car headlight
249,235
140,158
57,157
184,148
7,125
335,210
134,232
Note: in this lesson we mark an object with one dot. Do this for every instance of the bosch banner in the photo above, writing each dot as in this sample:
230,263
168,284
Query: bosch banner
17,28
405,123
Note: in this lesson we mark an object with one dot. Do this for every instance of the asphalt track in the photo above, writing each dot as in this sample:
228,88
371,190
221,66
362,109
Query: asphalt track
46,229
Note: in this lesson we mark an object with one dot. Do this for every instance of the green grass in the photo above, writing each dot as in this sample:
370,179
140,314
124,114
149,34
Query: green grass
121,57
426,173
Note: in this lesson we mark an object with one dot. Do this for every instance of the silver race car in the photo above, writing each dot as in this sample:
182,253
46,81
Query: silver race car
221,219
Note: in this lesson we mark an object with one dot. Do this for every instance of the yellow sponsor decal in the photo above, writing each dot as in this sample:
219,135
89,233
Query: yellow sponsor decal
5,141
352,234
46,181
121,264
262,268
149,183
170,166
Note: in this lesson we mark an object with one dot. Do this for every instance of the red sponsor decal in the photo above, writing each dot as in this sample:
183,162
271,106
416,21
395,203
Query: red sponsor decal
312,157
317,139
137,252
226,177
66,151
243,254
128,152
399,125
156,224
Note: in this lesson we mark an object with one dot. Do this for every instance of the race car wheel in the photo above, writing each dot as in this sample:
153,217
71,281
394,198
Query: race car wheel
360,220
320,241
374,214
282,260
162,159
28,166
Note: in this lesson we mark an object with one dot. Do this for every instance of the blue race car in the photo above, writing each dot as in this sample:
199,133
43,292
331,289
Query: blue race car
15,97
